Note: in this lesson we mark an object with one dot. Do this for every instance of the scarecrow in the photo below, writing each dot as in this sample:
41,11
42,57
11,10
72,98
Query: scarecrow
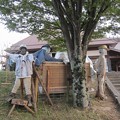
100,66
23,71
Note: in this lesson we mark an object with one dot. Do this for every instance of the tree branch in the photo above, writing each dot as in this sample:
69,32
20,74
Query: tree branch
92,20
61,14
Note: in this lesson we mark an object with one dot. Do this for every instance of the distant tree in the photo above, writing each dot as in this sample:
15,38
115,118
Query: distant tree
74,20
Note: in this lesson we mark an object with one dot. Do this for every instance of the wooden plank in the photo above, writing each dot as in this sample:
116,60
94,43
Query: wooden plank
61,89
53,62
116,84
114,91
115,81
20,102
47,81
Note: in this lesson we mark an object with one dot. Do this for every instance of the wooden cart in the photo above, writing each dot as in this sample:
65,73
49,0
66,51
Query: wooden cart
56,75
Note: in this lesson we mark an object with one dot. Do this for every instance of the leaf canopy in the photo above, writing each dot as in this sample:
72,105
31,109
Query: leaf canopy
39,17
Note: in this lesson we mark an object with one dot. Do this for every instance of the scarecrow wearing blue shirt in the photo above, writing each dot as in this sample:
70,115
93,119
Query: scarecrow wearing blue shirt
42,55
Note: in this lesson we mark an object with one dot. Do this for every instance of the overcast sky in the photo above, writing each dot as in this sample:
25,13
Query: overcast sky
8,38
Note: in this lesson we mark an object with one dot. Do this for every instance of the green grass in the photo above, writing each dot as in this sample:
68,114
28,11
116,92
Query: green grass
59,111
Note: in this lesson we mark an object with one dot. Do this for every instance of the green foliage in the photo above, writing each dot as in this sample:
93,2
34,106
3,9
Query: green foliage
38,17
34,17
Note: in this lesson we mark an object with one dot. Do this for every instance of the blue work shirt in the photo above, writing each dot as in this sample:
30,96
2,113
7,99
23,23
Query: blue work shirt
42,56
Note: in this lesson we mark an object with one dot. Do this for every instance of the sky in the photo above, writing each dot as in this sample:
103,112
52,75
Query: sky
8,38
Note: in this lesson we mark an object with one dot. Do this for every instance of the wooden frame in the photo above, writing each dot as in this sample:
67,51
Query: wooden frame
56,74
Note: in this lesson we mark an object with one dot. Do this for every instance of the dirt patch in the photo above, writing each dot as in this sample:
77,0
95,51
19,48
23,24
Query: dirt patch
108,108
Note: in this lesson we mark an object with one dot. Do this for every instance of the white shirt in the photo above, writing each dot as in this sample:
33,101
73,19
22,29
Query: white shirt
23,64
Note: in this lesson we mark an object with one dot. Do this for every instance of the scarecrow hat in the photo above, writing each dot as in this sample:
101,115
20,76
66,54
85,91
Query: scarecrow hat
23,46
104,47
47,45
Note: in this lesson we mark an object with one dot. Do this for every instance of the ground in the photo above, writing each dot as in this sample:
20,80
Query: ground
108,108
61,110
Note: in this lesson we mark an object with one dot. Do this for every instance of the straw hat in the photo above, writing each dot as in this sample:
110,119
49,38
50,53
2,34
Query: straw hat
104,47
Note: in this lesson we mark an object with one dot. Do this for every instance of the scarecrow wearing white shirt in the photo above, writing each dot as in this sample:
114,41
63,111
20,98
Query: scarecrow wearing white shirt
23,71
101,72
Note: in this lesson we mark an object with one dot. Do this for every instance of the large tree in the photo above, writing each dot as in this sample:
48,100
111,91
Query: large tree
73,20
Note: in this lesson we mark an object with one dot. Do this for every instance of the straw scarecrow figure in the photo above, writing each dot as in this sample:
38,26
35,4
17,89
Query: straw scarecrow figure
100,67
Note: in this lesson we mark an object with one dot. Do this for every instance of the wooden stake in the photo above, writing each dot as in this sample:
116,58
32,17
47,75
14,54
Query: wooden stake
33,95
36,89
29,109
13,107
21,80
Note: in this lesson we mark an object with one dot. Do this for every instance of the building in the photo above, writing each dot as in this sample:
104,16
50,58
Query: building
112,56
32,42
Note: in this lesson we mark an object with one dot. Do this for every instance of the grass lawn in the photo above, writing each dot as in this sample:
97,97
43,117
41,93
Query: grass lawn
61,110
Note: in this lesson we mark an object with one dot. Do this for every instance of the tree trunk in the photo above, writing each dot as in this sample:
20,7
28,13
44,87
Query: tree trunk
80,95
71,28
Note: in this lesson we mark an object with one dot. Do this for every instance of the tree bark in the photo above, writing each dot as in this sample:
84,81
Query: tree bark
80,95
